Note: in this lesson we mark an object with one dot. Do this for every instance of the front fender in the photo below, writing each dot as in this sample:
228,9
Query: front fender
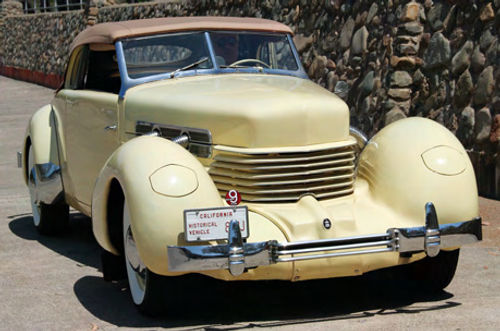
156,211
415,161
41,133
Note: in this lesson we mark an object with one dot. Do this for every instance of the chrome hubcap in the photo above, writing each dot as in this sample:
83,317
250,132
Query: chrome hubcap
132,254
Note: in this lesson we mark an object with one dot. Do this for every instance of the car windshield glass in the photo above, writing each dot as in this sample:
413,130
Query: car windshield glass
245,49
165,54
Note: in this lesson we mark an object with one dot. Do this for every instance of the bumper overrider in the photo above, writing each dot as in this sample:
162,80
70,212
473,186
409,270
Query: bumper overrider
237,255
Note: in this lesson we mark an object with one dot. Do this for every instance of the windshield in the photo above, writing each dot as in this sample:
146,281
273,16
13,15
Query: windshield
177,53
165,54
270,51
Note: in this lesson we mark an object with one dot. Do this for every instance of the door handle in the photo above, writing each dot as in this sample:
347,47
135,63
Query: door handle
110,127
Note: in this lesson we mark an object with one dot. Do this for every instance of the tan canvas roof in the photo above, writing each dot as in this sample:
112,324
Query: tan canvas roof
108,33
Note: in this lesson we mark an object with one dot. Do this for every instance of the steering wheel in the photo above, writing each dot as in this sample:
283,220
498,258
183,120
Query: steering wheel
234,64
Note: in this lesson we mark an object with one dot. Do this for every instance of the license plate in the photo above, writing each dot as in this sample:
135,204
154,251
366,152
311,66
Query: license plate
213,223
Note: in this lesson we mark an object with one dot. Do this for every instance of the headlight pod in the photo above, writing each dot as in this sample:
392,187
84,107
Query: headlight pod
444,160
174,180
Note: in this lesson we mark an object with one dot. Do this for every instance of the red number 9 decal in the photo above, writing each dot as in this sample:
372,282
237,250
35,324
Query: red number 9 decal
233,197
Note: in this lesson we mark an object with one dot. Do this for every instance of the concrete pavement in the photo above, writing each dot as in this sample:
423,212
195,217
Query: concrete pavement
55,283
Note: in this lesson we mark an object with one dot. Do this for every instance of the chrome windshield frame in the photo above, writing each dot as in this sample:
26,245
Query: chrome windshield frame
127,82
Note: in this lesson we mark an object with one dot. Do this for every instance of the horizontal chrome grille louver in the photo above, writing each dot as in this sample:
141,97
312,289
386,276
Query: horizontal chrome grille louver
285,176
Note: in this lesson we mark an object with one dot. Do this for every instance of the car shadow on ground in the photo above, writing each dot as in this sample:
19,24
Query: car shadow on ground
212,304
262,305
76,243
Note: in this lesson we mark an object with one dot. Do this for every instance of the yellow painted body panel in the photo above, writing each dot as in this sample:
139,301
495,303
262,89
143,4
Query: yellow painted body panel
287,149
243,110
444,160
393,166
157,219
87,142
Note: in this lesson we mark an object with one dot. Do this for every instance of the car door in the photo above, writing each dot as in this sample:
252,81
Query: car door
90,123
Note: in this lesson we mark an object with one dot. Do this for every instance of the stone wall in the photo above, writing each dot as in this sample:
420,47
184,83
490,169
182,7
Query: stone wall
40,42
7,8
392,58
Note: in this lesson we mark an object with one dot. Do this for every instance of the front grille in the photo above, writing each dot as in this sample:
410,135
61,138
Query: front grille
285,176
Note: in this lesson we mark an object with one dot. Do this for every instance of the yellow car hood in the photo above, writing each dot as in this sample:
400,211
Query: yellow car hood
243,110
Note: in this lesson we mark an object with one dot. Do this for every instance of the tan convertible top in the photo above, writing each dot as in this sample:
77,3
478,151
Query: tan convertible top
108,33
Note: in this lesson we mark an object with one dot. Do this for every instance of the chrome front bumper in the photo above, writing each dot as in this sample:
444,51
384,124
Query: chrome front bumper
238,256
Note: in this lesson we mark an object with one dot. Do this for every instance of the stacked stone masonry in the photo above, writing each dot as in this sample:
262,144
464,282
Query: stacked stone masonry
437,59
40,42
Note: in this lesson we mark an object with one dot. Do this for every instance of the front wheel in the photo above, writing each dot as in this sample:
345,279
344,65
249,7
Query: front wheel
149,290
435,273
49,219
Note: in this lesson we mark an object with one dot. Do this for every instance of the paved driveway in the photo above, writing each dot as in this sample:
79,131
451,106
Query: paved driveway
55,283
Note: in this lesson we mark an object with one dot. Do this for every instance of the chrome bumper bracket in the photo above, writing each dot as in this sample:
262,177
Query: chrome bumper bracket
432,238
236,256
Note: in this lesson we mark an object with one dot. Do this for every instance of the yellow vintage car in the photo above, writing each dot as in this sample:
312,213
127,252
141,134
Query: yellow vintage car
199,145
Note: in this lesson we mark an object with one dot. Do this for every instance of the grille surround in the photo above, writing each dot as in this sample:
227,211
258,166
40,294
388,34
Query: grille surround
287,174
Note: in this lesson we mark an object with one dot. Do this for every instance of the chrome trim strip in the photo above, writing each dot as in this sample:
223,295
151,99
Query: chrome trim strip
111,127
238,256
360,137
336,248
322,256
336,241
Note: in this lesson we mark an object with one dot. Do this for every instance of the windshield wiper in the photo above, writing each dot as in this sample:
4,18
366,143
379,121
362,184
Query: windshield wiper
189,66
259,68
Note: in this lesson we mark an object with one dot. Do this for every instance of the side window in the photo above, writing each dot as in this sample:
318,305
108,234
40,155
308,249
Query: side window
77,69
284,56
279,54
103,74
